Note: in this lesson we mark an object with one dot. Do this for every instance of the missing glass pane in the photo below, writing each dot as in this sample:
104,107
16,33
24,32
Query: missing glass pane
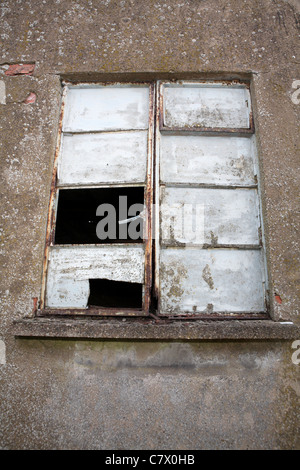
92,216
115,294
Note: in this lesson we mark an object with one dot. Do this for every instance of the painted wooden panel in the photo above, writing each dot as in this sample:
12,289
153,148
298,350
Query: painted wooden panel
216,280
98,108
118,157
199,105
210,216
70,268
207,160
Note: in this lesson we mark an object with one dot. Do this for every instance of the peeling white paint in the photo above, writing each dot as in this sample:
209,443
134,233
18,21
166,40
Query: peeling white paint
118,157
223,280
230,215
213,105
70,268
100,108
207,160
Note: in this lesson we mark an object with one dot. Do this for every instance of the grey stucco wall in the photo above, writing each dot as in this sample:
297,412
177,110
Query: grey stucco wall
70,394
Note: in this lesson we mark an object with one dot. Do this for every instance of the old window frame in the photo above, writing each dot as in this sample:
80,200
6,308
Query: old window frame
148,200
152,248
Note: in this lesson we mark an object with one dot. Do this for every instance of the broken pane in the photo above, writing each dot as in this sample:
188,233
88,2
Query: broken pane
115,294
92,215
70,269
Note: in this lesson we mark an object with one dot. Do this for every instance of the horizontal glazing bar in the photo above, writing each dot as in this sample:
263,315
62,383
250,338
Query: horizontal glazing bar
104,185
207,246
208,186
109,131
208,131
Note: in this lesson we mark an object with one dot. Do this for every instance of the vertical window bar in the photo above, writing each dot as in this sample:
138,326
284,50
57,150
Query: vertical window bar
149,202
53,190
159,104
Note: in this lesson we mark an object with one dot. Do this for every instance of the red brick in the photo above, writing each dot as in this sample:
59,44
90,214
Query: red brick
20,69
30,98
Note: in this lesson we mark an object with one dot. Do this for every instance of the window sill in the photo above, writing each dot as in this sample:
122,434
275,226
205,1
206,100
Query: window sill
146,329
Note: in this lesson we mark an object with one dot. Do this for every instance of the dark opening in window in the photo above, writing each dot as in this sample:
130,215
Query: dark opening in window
93,215
118,294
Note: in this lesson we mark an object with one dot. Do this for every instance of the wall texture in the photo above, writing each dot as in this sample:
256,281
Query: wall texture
71,394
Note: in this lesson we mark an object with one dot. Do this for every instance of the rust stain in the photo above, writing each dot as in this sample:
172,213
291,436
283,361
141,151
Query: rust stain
216,316
149,206
206,130
35,305
51,215
210,130
92,311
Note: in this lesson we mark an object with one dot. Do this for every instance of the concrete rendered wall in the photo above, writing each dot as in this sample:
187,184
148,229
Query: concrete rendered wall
105,394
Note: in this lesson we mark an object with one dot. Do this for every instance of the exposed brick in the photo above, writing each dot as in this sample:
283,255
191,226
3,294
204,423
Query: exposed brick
30,98
278,299
20,69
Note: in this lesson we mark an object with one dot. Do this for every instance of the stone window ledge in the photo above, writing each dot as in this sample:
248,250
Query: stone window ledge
146,329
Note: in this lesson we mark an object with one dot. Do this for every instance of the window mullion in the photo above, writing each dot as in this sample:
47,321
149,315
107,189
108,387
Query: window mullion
149,202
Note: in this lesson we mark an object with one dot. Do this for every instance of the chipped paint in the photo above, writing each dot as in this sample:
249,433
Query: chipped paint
230,215
206,275
88,155
70,268
230,280
122,107
217,160
114,157
214,105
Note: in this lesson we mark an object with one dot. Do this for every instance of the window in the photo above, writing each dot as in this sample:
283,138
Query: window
155,205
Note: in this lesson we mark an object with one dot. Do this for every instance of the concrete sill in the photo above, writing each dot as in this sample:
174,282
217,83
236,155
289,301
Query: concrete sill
146,329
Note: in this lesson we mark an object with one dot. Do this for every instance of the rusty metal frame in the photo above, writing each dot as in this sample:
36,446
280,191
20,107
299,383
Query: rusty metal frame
149,204
148,201
213,131
212,316
52,212
152,225
156,287
91,311
237,132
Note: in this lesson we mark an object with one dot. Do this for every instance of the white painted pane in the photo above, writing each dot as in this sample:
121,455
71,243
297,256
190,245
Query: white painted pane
210,216
206,106
217,280
70,268
207,160
106,108
118,157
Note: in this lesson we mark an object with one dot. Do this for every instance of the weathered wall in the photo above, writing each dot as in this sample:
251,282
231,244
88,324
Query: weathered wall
121,395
